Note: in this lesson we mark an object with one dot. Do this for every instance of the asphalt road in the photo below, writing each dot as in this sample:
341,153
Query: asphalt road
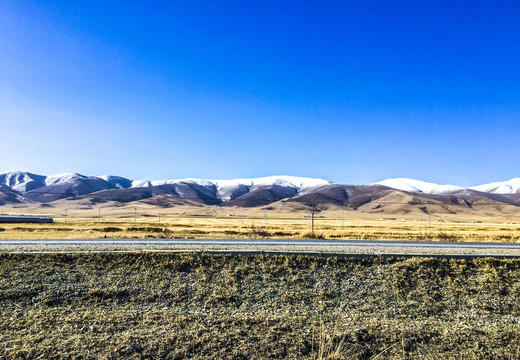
261,242
338,248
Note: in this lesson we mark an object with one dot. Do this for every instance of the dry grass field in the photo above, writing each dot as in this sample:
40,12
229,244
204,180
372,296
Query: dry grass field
208,222
166,306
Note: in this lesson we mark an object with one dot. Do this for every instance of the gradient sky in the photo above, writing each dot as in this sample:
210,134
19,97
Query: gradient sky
351,91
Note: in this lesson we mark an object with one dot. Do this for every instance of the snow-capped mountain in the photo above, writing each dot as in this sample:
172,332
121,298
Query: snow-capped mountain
412,185
50,188
228,189
117,181
29,187
22,181
505,187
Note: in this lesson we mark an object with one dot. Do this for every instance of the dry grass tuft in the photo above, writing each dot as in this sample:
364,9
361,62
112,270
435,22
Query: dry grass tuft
313,235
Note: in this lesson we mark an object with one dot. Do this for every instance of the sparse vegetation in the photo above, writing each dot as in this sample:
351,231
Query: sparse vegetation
226,227
158,305
312,235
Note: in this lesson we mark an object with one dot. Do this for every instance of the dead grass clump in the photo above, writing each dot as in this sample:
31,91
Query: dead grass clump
111,229
256,232
63,229
282,233
312,235
146,229
195,232
444,236
21,228
507,238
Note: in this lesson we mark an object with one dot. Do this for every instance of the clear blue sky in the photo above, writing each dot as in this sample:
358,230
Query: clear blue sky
351,91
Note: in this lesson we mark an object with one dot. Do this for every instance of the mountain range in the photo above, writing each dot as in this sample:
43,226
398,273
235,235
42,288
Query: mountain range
388,196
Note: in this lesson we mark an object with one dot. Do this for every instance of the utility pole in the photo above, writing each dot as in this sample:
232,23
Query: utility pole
265,215
65,215
99,215
135,215
313,216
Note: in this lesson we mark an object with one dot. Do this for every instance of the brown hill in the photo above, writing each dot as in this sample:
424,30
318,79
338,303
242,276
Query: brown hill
11,197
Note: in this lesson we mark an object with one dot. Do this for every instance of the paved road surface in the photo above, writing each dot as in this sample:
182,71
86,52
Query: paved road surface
343,248
260,242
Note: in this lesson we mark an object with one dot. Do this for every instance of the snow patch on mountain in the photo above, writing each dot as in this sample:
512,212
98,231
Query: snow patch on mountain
418,186
62,179
505,187
147,183
22,181
292,181
227,188
118,181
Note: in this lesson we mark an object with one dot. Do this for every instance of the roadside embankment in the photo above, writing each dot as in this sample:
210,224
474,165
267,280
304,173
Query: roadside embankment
165,305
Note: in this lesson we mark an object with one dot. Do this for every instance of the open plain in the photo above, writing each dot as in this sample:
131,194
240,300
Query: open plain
214,222
163,297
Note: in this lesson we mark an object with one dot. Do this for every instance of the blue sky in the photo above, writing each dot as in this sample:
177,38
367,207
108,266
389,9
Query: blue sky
351,91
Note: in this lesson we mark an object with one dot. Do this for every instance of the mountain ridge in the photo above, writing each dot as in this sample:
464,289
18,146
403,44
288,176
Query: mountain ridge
400,195
26,181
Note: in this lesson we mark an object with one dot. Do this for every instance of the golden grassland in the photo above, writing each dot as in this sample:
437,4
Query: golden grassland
209,222
167,306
